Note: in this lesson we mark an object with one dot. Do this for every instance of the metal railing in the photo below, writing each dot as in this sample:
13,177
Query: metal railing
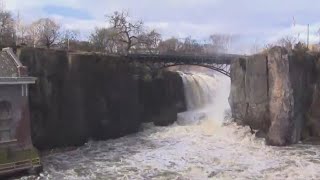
19,165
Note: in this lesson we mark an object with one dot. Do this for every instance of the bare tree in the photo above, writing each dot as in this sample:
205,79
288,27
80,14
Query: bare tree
318,32
220,43
191,46
68,36
104,39
170,46
21,30
2,6
46,31
149,42
33,35
175,46
287,42
7,31
127,31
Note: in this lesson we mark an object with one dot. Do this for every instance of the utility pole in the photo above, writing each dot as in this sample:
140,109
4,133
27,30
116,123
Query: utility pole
68,44
308,36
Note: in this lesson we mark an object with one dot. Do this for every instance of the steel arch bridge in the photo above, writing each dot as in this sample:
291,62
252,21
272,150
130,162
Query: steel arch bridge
219,62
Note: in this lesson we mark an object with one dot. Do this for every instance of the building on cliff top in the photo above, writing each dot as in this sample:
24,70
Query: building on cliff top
16,150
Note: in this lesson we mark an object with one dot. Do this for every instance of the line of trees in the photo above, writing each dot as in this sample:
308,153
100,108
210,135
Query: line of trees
122,36
43,32
125,36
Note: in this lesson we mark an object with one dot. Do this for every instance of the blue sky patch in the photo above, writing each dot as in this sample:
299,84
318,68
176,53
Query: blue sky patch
67,12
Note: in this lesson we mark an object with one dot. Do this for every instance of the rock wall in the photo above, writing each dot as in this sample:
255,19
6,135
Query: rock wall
312,126
303,75
249,104
82,96
281,104
276,93
166,89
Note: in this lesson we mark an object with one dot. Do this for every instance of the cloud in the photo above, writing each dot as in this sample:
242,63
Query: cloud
67,12
259,21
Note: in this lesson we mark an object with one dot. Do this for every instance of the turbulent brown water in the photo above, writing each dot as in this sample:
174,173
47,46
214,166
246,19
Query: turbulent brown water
198,146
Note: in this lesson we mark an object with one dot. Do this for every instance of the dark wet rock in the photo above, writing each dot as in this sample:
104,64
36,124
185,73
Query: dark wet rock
213,174
312,125
281,98
81,96
257,98
260,134
162,98
302,77
312,140
237,98
249,92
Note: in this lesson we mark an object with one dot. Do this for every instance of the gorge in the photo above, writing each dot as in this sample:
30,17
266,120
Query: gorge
108,109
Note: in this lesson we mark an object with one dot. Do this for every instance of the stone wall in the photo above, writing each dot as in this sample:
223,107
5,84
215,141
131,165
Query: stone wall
276,94
82,96
162,98
312,126
14,115
249,104
281,104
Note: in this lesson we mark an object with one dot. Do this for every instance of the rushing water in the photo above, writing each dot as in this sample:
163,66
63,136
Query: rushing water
198,146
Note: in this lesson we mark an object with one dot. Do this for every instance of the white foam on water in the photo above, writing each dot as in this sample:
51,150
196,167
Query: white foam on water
197,147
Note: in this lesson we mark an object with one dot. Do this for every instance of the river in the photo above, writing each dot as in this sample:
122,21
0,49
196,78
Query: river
200,145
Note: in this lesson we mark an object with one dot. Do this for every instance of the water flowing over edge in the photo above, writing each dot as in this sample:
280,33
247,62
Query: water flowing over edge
206,98
198,146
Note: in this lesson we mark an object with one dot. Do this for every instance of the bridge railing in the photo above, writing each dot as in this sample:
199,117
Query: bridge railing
217,58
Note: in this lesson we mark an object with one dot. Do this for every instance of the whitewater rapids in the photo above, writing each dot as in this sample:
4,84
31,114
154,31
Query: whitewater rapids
199,146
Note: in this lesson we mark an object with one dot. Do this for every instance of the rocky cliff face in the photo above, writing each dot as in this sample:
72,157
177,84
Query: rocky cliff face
303,75
273,93
312,126
281,104
162,98
249,92
83,96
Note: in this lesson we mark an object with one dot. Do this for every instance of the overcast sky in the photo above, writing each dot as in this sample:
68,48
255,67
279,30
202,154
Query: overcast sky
251,21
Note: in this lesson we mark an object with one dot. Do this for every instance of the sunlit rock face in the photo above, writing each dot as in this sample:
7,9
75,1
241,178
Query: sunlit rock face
273,93
281,98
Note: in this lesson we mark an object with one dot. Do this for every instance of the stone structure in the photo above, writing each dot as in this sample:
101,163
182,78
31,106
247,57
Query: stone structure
16,149
277,93
86,96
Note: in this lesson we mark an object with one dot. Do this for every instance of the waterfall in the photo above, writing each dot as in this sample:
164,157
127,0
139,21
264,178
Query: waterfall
206,97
